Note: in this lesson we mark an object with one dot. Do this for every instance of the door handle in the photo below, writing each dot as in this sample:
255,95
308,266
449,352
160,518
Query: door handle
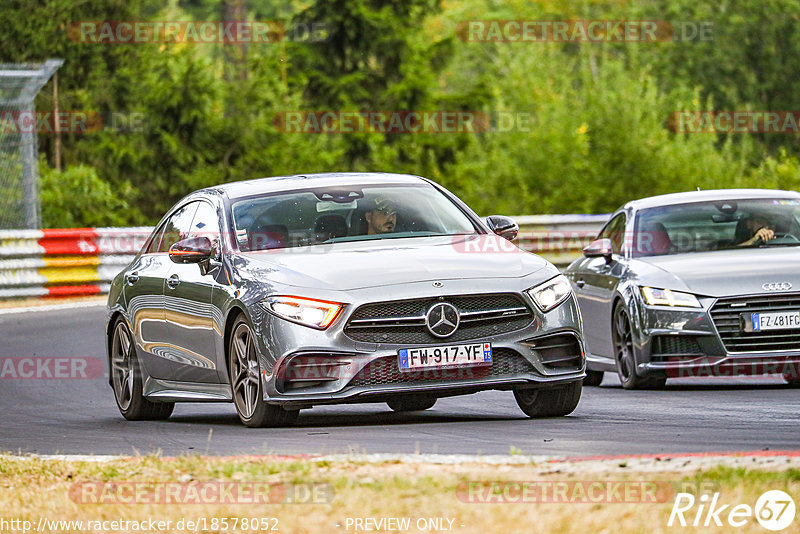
173,281
580,283
132,278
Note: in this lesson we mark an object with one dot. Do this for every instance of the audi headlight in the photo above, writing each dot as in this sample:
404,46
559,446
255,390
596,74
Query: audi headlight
667,297
551,293
309,312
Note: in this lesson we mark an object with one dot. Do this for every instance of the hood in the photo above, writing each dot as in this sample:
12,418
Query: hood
721,273
363,264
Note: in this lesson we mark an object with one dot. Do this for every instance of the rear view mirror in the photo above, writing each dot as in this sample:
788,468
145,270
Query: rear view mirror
503,226
191,250
599,248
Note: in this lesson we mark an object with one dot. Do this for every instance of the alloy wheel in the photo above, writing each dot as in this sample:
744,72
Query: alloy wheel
623,344
244,367
122,370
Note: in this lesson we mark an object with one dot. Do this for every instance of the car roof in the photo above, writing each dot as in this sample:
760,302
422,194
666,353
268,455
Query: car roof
709,195
302,181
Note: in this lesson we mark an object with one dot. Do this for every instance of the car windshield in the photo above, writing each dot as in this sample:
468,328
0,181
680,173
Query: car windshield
336,214
717,225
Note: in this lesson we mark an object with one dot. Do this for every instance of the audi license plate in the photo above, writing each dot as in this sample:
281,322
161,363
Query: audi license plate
773,321
445,356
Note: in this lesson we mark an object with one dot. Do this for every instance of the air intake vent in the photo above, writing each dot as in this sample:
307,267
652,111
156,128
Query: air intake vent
666,348
562,351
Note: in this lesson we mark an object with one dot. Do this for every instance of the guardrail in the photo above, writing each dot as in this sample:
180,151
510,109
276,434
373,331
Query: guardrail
83,261
64,262
559,238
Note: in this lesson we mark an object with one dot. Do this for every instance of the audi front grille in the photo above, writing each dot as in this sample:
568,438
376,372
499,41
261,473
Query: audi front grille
727,314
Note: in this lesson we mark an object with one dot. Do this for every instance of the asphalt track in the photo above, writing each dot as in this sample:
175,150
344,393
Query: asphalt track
78,416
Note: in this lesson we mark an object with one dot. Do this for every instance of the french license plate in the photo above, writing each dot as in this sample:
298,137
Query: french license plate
445,356
773,321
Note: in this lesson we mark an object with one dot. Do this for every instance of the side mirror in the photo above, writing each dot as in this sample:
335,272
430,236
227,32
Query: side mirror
599,248
503,226
191,250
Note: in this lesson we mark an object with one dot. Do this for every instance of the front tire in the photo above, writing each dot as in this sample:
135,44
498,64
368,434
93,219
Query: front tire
126,379
246,382
622,334
411,404
551,402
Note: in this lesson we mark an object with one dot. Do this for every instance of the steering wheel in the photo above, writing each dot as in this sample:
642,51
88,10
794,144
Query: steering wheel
790,238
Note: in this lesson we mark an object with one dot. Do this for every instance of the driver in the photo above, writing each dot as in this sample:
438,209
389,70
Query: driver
758,227
382,216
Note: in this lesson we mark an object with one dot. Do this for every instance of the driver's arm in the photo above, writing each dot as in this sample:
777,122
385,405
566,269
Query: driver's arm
763,235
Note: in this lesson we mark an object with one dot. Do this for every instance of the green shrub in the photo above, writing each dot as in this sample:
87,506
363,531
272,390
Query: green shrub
77,197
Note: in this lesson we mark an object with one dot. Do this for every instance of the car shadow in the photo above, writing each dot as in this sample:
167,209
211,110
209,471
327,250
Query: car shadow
392,419
709,387
308,419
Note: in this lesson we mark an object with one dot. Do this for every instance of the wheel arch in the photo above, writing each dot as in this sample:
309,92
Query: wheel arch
112,321
233,314
617,300
626,296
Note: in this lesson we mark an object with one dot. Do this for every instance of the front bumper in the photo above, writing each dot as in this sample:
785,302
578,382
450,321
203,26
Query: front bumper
661,327
725,366
369,372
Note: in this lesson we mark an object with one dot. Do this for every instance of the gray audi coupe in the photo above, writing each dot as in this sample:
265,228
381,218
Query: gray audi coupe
698,284
284,293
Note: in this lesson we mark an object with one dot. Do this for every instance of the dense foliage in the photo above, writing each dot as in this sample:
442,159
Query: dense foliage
599,113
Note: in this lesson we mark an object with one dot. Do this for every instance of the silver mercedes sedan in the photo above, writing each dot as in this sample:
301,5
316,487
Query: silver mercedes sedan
699,284
284,293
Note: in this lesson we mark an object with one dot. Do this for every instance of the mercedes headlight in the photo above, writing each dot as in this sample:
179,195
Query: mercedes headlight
309,312
551,293
667,297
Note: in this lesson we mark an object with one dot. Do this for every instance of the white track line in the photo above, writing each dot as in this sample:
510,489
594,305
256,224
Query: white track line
67,457
547,464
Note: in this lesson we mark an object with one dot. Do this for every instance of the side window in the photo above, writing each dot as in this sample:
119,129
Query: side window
152,248
206,222
615,231
178,226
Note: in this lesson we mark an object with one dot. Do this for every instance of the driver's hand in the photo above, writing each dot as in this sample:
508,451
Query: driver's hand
764,235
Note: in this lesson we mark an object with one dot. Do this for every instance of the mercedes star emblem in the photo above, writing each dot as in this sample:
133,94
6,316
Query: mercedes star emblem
442,319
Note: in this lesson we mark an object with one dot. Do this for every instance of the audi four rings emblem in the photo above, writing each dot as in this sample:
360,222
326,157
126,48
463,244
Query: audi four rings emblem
442,319
777,286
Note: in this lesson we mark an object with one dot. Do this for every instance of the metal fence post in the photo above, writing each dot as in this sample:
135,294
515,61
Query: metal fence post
19,165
